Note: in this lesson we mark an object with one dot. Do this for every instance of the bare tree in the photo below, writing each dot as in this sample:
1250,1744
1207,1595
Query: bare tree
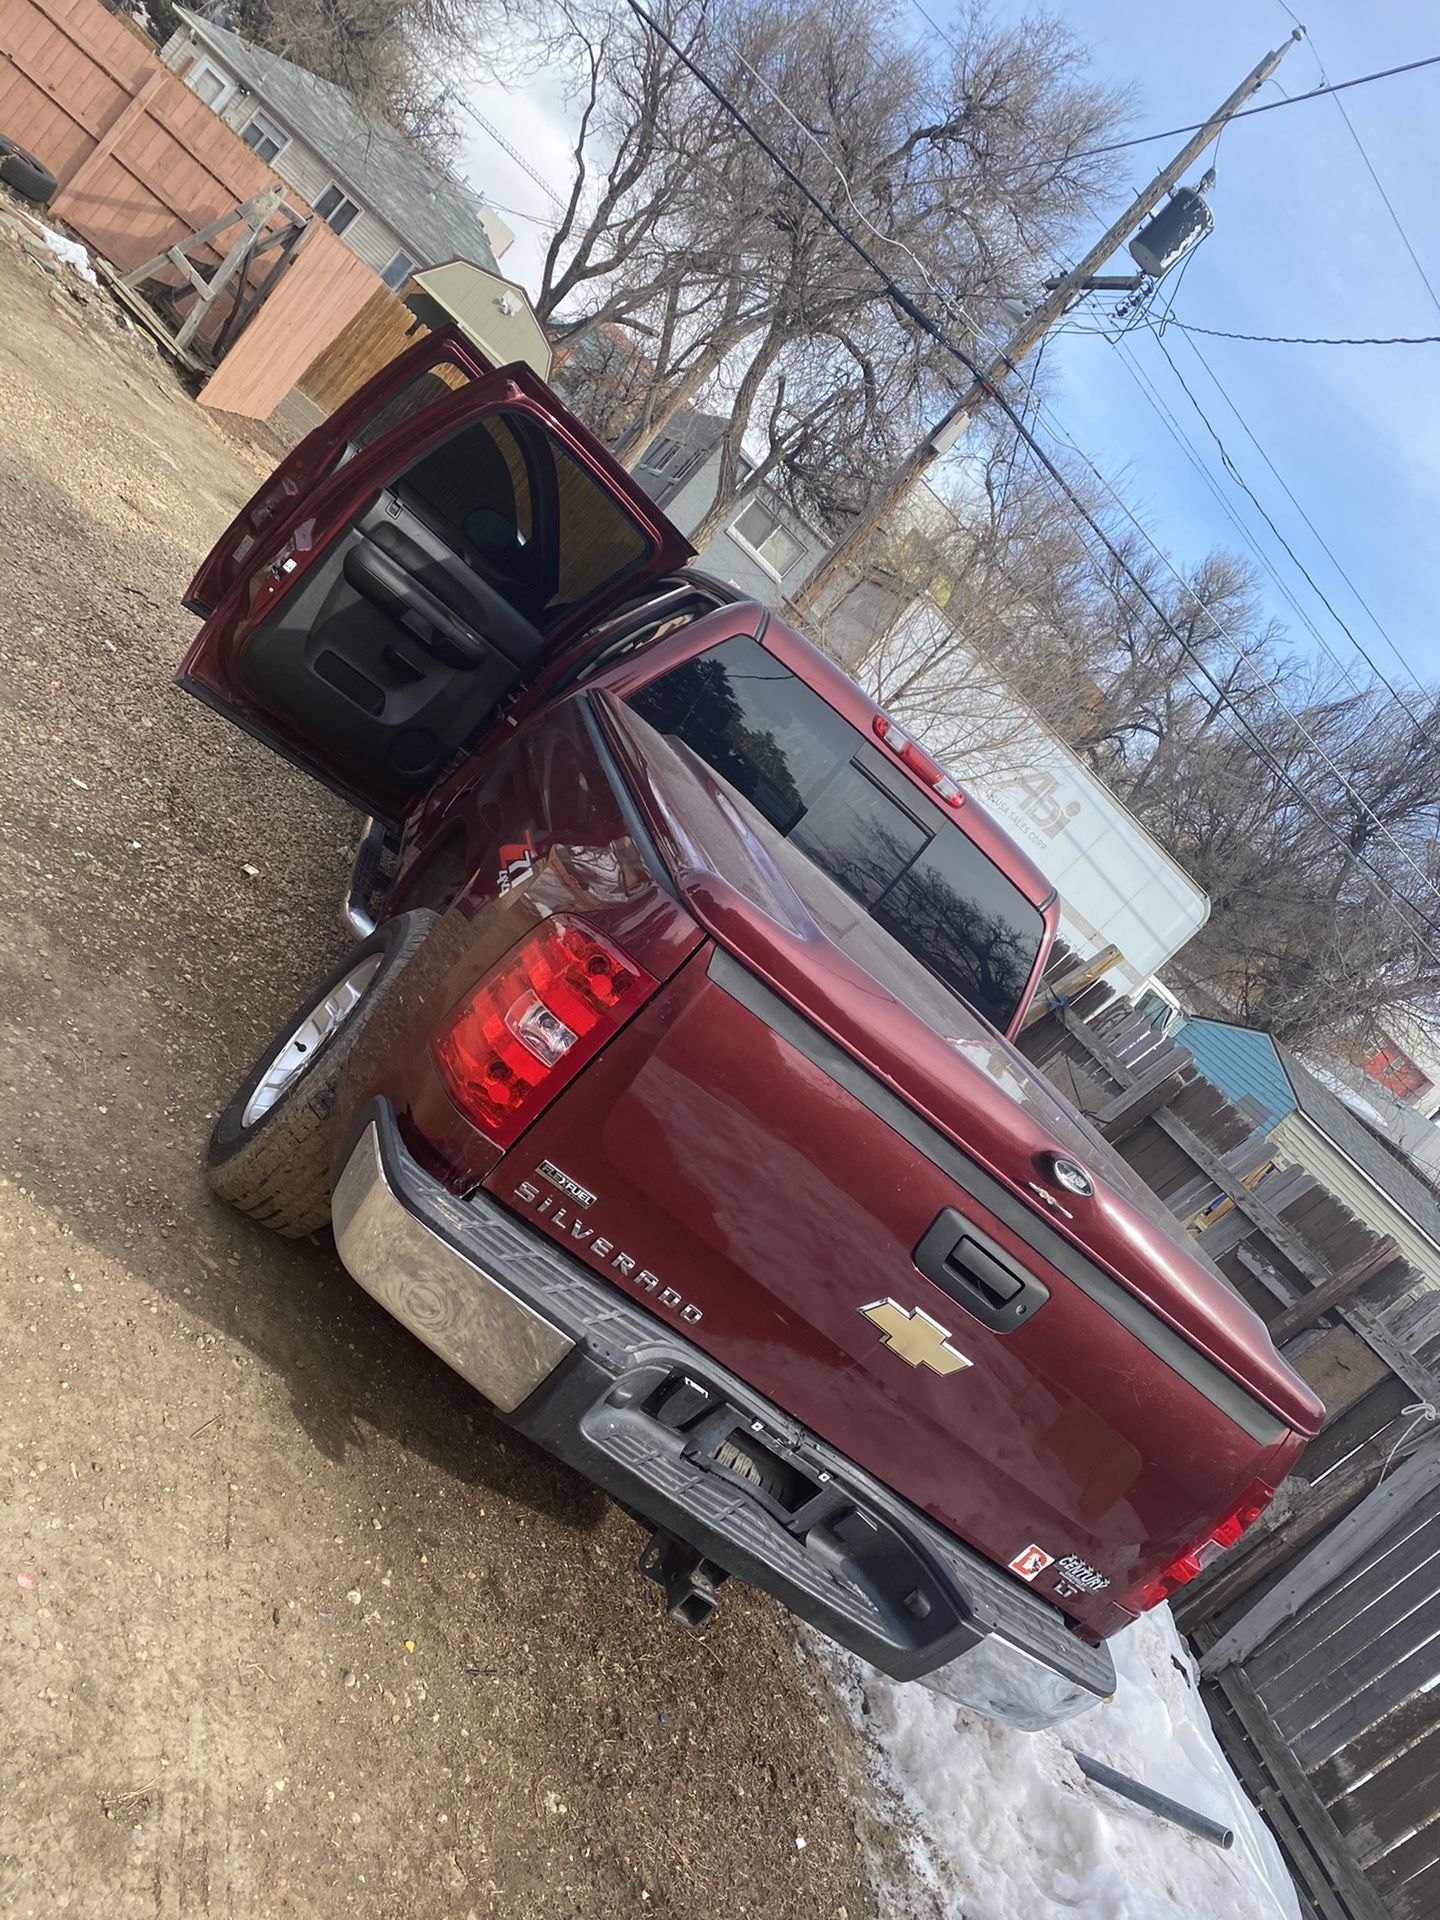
681,229
1307,805
975,607
395,58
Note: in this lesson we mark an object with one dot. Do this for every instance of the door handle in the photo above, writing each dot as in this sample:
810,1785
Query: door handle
978,1274
383,580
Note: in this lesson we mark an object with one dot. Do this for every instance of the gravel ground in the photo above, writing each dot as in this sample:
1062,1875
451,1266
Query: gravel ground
288,1623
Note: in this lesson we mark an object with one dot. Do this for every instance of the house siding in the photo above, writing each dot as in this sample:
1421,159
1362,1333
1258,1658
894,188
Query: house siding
723,555
1242,1064
297,164
1298,1141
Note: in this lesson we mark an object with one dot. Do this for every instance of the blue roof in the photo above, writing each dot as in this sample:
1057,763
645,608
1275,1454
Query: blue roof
1243,1063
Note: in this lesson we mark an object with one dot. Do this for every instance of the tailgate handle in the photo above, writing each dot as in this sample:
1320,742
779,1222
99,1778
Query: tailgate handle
979,1275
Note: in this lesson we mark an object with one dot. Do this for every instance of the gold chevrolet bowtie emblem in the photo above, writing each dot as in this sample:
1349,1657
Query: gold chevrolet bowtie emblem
915,1337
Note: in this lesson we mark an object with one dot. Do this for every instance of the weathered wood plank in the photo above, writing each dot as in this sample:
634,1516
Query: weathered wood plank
1303,1518
1137,1102
1403,1795
1369,1703
1316,1638
1414,1479
1411,1858
1416,1321
1418,1899
1316,1895
1375,1746
1330,1293
1375,1417
1306,1806
1365,1651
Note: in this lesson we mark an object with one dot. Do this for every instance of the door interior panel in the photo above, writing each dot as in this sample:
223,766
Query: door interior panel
393,648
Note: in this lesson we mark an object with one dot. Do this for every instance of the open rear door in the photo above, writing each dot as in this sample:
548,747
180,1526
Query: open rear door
372,626
439,364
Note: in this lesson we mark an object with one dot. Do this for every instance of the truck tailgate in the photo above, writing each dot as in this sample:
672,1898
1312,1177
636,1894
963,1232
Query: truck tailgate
725,1162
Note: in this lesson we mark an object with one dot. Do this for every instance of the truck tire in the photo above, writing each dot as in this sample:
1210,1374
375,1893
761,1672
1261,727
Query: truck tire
269,1154
29,177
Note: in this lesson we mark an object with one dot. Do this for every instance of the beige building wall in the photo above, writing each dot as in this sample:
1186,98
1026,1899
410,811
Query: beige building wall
1299,1142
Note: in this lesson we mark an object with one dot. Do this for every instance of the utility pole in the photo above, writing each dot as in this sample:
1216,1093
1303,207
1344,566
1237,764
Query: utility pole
1028,335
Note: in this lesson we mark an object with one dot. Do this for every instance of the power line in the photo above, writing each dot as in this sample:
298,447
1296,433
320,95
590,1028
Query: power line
932,21
1266,106
933,330
1222,632
1311,339
1177,433
1253,497
1229,638
1389,205
1370,169
1032,396
1319,537
1192,454
1172,426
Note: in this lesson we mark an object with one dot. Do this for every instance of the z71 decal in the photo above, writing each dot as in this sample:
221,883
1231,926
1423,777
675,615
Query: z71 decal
517,863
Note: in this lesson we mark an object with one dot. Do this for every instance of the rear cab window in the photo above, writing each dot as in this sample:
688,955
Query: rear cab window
844,804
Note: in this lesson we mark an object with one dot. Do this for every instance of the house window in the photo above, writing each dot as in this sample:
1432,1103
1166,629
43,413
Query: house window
759,531
673,457
335,209
399,271
263,137
210,83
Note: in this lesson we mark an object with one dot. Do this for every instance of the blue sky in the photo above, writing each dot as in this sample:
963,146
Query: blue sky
1302,245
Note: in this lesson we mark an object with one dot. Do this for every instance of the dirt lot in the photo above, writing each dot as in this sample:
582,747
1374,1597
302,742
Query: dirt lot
288,1623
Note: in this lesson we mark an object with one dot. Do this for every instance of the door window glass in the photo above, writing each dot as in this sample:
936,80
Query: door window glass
760,728
509,498
436,382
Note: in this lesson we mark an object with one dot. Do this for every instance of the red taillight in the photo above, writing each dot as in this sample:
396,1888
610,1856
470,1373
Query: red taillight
531,1024
1189,1565
918,761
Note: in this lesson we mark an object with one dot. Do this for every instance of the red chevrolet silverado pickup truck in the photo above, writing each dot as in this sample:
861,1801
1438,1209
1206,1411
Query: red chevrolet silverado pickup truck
669,1094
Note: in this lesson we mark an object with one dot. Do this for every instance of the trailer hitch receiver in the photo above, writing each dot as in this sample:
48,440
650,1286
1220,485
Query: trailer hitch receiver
688,1580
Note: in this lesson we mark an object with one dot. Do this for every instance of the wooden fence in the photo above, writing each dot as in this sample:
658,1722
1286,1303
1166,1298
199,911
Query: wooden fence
383,327
142,163
1320,1633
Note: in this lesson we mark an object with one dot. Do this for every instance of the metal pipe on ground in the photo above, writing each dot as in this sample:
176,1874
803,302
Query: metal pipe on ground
1156,1803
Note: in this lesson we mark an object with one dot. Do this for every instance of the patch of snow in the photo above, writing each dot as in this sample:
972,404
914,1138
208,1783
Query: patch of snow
1005,1826
71,252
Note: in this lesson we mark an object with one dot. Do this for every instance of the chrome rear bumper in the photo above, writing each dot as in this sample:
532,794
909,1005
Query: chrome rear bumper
641,1411
476,1325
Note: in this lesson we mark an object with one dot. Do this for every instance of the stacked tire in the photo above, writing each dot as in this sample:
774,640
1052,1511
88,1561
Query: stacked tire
24,174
